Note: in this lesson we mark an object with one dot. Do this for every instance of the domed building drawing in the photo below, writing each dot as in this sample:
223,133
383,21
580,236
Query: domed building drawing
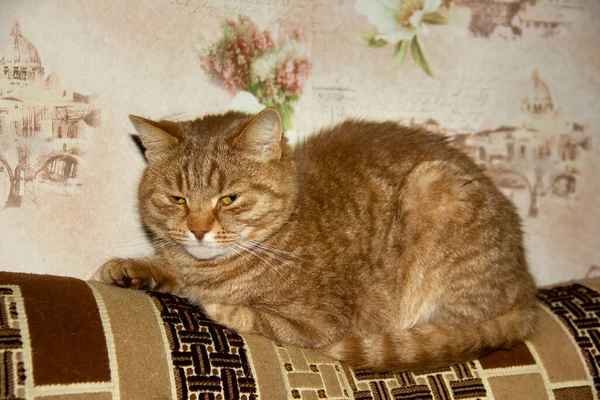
21,64
543,154
510,19
537,100
43,127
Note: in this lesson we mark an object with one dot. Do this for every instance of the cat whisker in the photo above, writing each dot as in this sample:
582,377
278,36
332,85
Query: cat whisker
174,115
267,247
141,241
159,242
274,268
240,253
131,245
271,251
239,246
273,255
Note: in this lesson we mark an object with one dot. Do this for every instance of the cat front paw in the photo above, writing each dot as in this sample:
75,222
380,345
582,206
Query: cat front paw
127,273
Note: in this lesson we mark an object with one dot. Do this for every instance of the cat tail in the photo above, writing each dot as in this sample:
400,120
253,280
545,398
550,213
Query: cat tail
429,346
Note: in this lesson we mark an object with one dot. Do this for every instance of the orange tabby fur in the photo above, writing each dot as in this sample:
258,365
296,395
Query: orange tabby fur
380,244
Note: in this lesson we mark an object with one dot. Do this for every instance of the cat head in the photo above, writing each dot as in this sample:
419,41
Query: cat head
217,184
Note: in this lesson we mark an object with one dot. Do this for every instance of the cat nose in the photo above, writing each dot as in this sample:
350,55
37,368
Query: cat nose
199,234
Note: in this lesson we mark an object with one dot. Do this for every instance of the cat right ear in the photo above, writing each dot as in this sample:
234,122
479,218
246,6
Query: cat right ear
155,140
262,137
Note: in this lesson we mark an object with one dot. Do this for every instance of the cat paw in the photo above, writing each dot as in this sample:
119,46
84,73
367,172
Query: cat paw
127,273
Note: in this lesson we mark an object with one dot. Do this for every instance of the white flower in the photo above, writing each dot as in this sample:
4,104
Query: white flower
245,102
397,20
263,67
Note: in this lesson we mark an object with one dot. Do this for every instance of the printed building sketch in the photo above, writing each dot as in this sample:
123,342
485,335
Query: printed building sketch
509,19
540,153
543,155
42,125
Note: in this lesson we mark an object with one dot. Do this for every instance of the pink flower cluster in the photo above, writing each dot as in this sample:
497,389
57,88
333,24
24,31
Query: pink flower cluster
293,74
229,61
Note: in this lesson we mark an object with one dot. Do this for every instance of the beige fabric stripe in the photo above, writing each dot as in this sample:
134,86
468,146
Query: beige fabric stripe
175,391
297,359
528,386
330,378
556,349
75,389
138,344
110,343
305,379
80,396
266,367
593,283
25,337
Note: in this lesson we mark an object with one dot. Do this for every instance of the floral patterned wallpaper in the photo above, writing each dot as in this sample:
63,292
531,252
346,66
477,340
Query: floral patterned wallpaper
271,67
513,83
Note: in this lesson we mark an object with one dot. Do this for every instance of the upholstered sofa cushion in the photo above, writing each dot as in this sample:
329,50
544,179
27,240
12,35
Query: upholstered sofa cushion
62,338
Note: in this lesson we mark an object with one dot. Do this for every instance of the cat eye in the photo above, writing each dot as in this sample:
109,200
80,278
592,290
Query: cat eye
227,200
177,200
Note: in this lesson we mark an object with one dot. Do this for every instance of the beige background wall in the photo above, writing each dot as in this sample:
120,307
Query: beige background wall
140,57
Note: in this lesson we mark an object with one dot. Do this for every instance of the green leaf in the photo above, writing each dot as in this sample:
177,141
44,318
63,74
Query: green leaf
228,34
286,111
434,18
400,53
417,53
377,43
367,36
370,39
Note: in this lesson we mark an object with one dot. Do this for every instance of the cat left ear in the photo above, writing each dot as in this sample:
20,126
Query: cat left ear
155,140
262,136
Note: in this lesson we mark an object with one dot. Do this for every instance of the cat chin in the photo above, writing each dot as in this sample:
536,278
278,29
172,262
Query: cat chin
207,252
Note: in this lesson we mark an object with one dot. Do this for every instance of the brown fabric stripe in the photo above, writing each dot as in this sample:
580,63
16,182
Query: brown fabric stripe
468,389
379,390
406,379
574,393
437,384
516,356
65,329
12,369
7,368
3,308
417,392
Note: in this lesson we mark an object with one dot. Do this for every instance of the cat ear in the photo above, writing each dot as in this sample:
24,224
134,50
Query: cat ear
262,136
155,140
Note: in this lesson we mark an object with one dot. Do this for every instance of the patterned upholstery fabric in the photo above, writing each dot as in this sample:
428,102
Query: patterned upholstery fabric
62,338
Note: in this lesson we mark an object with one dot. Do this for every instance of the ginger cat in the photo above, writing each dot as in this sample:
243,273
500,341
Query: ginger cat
380,244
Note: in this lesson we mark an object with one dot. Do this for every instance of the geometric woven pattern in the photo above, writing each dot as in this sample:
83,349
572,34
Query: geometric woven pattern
210,362
12,370
65,339
311,374
52,342
457,382
578,307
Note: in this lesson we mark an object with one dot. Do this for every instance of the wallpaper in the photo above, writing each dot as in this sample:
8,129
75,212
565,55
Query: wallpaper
513,83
